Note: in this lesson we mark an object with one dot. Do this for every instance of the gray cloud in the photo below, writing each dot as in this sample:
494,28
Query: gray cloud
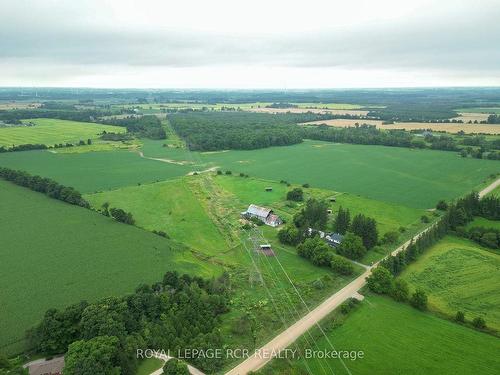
467,42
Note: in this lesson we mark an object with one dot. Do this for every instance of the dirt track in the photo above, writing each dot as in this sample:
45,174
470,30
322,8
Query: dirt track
290,335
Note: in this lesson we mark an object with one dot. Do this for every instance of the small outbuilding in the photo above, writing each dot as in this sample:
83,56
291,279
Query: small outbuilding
269,188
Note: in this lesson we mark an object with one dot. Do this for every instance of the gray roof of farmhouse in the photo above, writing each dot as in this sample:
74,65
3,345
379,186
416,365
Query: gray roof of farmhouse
336,237
258,211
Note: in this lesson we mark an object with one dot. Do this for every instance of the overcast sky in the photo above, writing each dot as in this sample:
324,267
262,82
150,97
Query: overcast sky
250,44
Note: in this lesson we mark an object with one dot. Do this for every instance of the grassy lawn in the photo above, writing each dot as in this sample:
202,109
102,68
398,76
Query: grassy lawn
482,222
52,131
168,206
54,254
398,339
413,178
458,274
149,365
93,171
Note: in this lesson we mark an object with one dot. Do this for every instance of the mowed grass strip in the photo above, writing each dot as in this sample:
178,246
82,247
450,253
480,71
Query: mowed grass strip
170,207
458,274
52,131
398,339
93,171
414,178
54,254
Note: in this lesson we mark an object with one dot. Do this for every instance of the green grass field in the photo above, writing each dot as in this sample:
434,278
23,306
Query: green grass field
414,178
482,222
93,171
54,254
458,274
169,206
398,339
52,131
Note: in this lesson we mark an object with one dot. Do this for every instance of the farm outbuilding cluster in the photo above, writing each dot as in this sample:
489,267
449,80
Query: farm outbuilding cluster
266,215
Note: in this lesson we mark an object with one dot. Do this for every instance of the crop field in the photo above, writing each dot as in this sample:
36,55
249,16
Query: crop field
449,127
398,339
414,178
52,131
171,207
94,171
458,274
72,254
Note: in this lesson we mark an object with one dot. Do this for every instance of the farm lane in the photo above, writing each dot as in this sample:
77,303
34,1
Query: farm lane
291,334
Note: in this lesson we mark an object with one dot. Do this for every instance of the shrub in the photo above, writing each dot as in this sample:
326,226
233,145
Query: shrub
380,281
419,299
295,195
442,205
341,265
460,317
479,323
400,290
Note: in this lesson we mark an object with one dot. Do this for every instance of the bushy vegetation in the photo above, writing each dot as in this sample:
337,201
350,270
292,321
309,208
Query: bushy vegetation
102,337
323,255
44,185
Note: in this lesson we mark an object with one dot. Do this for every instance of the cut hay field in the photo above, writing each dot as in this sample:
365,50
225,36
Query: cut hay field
449,128
169,206
54,254
93,171
398,339
353,112
52,131
458,274
489,110
414,178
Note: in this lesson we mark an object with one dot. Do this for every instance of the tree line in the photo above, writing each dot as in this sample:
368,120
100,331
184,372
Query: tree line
44,185
102,338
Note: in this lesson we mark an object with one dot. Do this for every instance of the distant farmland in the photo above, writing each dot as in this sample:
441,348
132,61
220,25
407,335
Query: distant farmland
450,128
52,131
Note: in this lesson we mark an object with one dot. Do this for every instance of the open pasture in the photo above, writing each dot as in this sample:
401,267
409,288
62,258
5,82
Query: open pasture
449,128
458,274
54,254
52,131
414,178
398,339
169,206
